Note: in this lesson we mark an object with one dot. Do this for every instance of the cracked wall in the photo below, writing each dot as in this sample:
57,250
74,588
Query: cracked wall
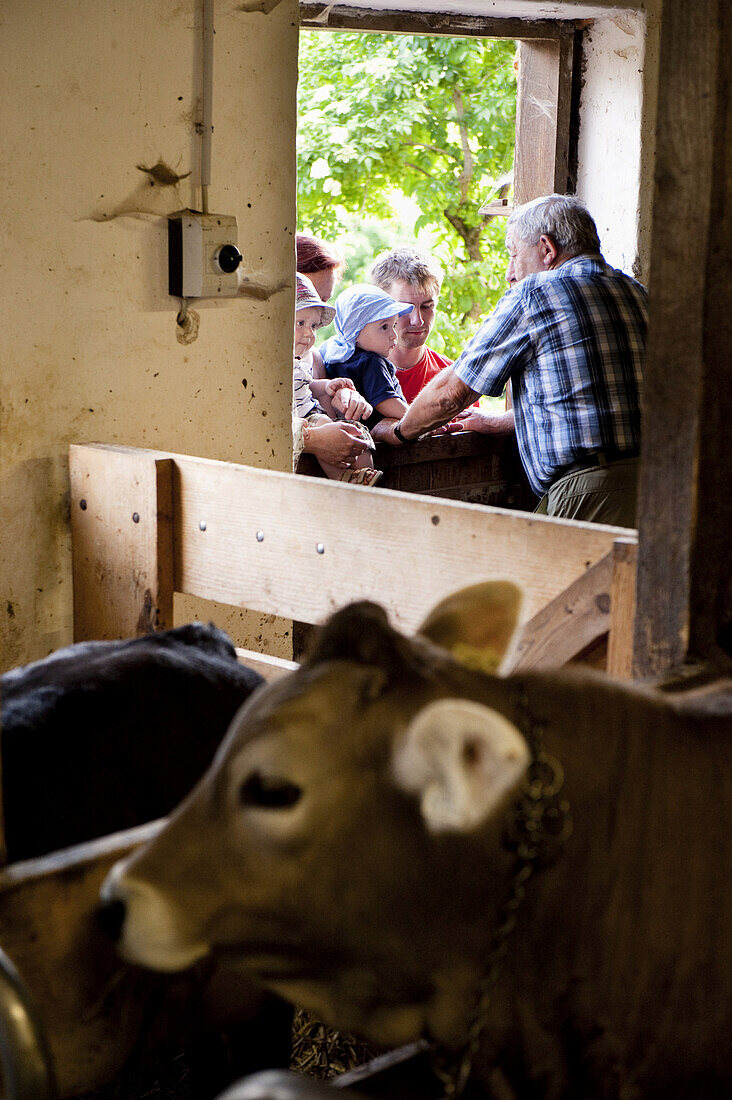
99,145
617,133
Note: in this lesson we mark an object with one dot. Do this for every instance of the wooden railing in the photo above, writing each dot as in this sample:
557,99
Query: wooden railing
146,524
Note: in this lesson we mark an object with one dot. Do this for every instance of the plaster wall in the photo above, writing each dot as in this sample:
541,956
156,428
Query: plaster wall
93,93
617,134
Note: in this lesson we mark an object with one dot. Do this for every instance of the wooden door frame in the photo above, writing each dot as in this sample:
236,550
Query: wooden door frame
547,94
684,583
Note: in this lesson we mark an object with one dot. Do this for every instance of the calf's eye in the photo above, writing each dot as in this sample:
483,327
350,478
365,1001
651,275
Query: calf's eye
269,792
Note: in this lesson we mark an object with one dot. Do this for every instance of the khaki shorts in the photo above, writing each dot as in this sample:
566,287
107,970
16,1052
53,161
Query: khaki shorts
602,494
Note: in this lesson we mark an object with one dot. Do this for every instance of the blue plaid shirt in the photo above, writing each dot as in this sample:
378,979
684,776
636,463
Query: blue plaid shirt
572,342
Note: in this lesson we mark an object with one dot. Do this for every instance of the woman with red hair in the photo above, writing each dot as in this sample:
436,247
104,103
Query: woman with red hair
320,262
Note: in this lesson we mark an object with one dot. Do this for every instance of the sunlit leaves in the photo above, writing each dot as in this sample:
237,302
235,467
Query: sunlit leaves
432,117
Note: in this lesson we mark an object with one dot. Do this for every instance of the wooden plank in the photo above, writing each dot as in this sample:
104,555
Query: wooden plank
685,506
571,623
121,529
449,446
542,117
467,466
3,846
271,668
300,547
567,126
92,1012
341,17
622,603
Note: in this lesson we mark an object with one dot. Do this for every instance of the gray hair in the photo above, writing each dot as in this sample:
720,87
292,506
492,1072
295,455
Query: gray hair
407,264
562,217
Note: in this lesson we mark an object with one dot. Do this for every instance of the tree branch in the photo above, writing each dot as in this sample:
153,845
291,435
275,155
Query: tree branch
416,167
432,148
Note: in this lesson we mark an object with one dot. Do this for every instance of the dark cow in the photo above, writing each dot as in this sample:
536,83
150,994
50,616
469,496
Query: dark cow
365,837
102,736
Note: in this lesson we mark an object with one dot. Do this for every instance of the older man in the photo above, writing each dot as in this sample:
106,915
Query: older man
570,336
410,276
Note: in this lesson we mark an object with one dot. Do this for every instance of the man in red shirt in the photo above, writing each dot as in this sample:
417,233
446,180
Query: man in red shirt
410,276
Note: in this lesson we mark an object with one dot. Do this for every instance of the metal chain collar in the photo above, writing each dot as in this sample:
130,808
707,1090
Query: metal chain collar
536,829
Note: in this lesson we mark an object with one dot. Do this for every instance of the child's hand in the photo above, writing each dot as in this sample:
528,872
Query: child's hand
347,401
334,384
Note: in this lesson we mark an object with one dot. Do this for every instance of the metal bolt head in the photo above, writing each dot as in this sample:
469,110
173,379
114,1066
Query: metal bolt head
202,525
320,548
135,517
260,536
82,505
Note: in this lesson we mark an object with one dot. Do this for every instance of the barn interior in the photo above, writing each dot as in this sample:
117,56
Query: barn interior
102,142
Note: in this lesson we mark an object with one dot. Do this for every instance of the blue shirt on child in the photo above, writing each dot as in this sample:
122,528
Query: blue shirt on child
373,376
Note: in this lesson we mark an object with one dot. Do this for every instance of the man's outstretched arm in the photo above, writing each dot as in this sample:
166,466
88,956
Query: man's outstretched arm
476,420
441,399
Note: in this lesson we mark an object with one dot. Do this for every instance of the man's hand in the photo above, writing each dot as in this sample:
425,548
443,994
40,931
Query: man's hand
476,420
439,402
338,443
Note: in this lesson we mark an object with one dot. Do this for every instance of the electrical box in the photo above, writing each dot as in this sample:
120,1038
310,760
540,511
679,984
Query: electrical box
203,255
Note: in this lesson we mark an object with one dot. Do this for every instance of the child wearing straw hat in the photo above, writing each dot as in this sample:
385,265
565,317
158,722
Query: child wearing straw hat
365,333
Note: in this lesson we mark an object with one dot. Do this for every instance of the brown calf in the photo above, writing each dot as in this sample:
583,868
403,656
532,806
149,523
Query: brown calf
361,845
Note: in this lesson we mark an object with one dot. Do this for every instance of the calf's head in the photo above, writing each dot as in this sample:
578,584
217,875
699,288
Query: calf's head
344,848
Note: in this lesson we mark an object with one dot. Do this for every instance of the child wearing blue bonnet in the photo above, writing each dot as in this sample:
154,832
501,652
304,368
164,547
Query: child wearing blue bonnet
365,333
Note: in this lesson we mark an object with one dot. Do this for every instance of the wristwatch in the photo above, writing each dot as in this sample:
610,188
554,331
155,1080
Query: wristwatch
398,433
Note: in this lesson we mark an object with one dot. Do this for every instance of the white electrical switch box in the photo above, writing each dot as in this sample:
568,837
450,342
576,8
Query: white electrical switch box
203,255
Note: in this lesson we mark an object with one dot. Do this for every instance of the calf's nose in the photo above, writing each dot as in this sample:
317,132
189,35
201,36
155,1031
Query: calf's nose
111,917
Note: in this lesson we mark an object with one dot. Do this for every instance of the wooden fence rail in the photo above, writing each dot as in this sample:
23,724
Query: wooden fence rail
146,524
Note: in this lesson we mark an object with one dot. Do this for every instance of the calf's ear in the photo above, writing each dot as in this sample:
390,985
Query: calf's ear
463,760
478,624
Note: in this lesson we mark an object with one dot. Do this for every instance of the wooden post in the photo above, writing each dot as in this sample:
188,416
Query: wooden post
574,620
122,534
622,609
3,846
543,106
685,503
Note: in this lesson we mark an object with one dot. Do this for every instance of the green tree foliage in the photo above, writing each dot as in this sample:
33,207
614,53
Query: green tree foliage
428,117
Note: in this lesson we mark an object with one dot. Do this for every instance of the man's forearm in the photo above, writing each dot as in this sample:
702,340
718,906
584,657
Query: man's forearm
442,399
383,432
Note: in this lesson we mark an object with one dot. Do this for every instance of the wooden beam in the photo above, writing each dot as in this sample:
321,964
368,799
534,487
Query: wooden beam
622,604
543,109
271,668
300,548
570,623
325,16
685,504
3,845
121,531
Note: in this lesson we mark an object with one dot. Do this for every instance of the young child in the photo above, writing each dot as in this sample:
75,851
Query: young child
365,333
319,400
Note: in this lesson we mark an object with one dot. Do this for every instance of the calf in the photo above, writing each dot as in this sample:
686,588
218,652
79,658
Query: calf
364,839
102,736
